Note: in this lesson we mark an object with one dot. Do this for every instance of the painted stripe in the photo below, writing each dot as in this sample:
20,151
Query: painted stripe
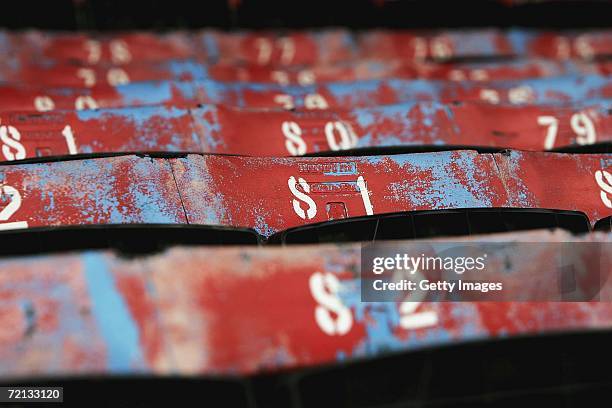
112,316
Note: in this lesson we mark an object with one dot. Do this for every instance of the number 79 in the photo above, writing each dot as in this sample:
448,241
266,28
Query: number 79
581,124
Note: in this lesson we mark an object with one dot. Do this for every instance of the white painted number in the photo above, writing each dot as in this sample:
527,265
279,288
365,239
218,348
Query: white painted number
70,142
365,195
94,51
311,101
43,104
280,77
117,76
304,197
581,125
551,130
120,54
10,138
584,128
286,101
340,136
85,102
440,48
332,317
88,76
520,95
265,47
584,48
287,47
315,101
335,319
410,319
489,95
347,137
293,134
13,205
604,181
12,149
311,212
306,77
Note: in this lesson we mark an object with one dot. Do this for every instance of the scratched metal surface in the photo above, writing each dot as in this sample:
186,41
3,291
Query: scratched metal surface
117,48
437,44
32,98
217,129
117,191
54,74
177,312
64,74
383,92
556,90
485,43
141,129
303,47
364,69
279,133
272,194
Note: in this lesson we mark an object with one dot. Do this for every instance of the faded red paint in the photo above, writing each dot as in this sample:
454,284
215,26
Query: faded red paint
229,311
218,129
115,48
256,192
142,306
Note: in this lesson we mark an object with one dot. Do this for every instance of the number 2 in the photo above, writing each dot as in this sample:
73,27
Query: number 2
10,209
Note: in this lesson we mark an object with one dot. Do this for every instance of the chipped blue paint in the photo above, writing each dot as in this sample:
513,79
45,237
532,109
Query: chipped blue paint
442,189
210,46
408,90
139,115
102,198
149,200
606,162
29,312
48,194
378,67
191,69
480,43
381,319
150,93
113,318
398,114
366,117
5,44
519,40
209,204
261,226
577,88
148,130
353,90
214,91
212,134
358,92
520,197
